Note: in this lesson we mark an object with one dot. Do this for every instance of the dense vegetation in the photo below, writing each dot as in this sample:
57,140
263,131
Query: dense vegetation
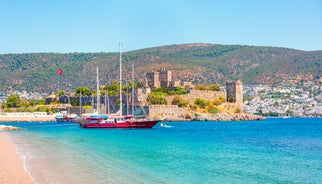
198,63
16,104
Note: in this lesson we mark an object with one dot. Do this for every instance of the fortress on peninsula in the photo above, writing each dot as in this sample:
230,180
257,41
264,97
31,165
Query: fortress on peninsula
163,78
233,93
230,97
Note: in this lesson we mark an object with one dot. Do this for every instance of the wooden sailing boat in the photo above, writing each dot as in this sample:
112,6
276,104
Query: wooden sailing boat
118,121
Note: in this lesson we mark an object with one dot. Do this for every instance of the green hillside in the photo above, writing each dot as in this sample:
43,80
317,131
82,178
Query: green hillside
199,63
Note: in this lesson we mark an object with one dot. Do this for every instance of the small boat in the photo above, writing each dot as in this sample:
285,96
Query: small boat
165,125
65,116
60,117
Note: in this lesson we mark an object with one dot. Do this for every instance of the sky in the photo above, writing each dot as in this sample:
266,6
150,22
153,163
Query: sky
64,26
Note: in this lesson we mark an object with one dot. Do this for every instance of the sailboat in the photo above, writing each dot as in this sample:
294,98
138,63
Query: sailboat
65,116
118,121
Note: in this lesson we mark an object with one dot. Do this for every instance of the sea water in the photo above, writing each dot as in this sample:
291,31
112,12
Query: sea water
270,151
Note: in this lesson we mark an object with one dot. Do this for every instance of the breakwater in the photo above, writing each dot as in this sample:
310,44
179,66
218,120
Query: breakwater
27,117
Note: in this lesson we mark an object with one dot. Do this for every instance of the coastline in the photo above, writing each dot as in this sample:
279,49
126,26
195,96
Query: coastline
200,117
11,165
26,117
225,117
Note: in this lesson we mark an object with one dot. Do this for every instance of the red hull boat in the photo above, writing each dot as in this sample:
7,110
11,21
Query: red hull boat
118,123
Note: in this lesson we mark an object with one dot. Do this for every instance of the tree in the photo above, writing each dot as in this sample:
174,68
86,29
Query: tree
180,90
289,112
219,100
113,89
276,104
43,109
223,99
163,90
42,102
3,106
231,99
14,101
74,102
25,109
200,87
200,102
157,98
54,102
214,87
25,103
61,93
82,90
139,85
213,110
180,101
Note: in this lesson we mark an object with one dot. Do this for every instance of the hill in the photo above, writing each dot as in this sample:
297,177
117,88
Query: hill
199,63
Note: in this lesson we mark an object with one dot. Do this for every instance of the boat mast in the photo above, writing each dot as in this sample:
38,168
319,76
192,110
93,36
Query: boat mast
120,80
92,103
80,103
107,102
133,88
127,99
68,108
98,92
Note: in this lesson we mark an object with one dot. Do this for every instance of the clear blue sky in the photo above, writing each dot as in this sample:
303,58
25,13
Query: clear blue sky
99,25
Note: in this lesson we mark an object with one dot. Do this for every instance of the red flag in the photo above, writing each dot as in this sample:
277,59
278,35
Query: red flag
60,72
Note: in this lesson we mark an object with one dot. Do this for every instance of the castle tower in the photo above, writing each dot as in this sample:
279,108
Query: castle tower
152,79
234,92
239,92
165,77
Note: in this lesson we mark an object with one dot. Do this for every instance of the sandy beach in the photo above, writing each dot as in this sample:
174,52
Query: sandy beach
11,166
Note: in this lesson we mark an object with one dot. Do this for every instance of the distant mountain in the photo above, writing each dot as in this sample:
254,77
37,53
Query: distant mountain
199,63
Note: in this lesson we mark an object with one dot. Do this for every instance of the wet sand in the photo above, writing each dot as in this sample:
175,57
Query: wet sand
11,166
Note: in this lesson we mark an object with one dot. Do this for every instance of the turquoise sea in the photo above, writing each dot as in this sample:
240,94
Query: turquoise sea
270,151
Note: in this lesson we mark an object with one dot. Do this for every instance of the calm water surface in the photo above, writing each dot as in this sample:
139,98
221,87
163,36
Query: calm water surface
271,151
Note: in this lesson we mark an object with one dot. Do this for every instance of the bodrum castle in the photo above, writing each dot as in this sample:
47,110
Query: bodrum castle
193,102
231,98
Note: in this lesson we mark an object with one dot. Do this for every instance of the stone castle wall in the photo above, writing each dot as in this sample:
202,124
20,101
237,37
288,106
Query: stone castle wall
167,112
203,94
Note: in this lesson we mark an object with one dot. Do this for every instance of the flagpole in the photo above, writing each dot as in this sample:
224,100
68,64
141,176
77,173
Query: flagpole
60,74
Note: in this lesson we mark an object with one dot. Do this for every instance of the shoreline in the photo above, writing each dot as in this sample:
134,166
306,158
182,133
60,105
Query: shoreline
225,117
12,118
12,167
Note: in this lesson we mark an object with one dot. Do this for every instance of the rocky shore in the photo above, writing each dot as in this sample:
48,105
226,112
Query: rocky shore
228,117
4,127
217,117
